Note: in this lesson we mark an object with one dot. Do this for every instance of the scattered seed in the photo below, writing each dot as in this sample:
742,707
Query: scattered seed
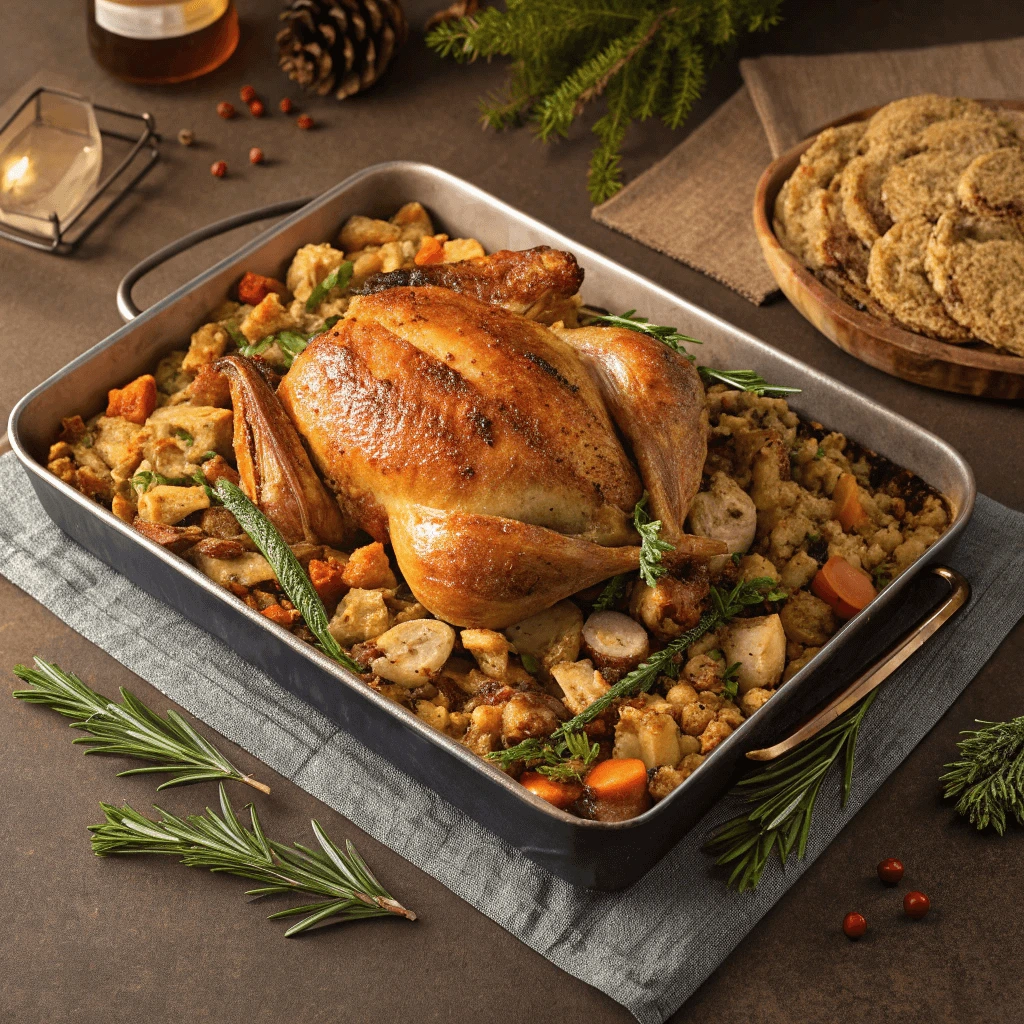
186,136
285,105
247,94
257,109
218,169
255,155
305,121
226,110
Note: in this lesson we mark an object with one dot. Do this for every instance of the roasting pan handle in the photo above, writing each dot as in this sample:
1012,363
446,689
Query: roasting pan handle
876,674
126,306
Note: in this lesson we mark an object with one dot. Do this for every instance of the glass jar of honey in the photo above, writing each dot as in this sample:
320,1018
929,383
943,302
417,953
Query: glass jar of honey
152,42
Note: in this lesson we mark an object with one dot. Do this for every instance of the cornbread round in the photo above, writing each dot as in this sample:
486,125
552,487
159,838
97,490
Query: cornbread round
897,279
825,158
993,184
896,127
861,195
976,132
977,266
924,185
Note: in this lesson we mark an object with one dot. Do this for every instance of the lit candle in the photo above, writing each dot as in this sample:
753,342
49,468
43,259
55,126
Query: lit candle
17,175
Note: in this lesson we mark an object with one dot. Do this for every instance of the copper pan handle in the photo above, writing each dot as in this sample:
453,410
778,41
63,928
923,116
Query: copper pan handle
876,674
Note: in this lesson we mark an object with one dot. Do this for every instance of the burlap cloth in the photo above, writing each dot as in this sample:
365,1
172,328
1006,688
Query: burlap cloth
695,205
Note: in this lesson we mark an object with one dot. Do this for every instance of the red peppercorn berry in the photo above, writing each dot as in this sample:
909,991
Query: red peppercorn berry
255,155
218,169
854,925
247,94
916,905
257,109
305,121
890,870
285,105
226,110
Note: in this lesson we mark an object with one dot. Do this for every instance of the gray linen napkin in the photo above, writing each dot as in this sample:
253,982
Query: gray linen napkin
695,205
649,947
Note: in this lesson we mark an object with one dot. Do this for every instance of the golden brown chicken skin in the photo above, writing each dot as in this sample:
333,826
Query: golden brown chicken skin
538,283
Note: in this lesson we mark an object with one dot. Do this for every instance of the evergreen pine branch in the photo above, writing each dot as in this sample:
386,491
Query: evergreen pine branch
129,729
989,776
646,57
613,592
783,795
221,843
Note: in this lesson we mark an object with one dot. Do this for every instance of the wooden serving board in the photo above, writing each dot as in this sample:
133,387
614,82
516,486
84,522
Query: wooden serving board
973,369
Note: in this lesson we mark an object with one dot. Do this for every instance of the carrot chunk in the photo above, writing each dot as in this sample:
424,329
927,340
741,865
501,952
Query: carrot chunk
618,788
843,586
431,250
561,794
282,616
134,402
254,288
849,510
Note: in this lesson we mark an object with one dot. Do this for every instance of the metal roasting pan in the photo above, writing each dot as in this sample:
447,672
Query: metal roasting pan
585,853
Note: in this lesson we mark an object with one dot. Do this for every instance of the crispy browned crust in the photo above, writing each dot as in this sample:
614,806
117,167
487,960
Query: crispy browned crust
533,282
425,396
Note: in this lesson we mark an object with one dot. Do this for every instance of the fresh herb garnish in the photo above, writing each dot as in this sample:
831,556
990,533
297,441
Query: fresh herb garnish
291,343
143,481
569,758
290,574
239,339
530,663
207,455
989,777
183,435
725,606
667,335
86,440
221,843
129,729
257,348
783,796
731,682
819,454
737,557
652,547
338,278
882,576
613,592
742,380
746,380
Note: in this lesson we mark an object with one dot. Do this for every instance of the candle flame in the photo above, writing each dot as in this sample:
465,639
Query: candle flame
15,172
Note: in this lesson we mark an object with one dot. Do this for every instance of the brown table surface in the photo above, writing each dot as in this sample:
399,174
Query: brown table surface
93,940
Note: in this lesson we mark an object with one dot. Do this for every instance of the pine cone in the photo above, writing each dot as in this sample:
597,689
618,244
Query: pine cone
342,46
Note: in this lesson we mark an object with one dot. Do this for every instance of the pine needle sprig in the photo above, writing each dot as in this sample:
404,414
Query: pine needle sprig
221,843
989,776
783,796
726,605
646,58
129,729
652,547
741,380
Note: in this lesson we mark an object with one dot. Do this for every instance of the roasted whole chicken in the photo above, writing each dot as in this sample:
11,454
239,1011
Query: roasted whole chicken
452,414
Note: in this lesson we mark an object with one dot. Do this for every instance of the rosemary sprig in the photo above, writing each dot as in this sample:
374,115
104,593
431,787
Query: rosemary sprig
129,729
652,547
290,574
742,380
989,777
612,593
725,606
746,380
569,758
667,335
337,278
783,795
221,843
